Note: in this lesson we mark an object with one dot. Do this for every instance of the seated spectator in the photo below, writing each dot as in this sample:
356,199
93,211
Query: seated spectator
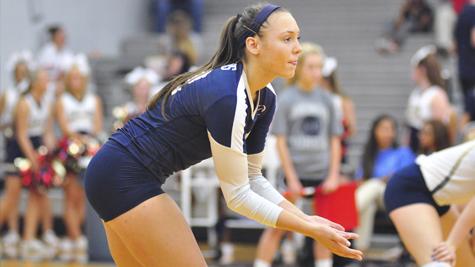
444,22
194,8
140,82
414,16
180,37
433,136
381,158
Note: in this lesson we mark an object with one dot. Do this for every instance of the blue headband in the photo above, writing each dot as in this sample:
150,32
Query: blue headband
260,18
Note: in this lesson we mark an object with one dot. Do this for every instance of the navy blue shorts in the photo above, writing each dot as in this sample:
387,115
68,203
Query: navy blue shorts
13,151
406,187
116,182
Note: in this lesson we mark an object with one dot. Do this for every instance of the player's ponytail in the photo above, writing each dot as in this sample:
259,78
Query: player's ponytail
231,47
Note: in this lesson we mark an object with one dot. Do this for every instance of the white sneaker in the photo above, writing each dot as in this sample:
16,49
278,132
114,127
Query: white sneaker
11,242
51,242
80,250
32,250
66,250
289,256
227,256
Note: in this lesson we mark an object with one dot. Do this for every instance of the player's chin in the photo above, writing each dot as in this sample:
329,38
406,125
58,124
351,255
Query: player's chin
288,73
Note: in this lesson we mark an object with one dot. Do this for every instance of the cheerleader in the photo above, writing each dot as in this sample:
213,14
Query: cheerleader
19,64
79,115
33,125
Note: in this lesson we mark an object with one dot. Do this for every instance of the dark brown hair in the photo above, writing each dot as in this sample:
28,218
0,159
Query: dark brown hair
441,135
371,148
433,71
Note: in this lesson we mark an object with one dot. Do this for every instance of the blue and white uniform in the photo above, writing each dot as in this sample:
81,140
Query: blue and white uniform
211,114
38,116
443,178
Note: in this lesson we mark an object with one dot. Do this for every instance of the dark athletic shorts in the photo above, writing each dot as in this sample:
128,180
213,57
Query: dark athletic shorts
406,187
116,182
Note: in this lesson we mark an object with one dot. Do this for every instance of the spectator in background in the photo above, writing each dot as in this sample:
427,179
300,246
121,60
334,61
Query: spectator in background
32,126
79,115
465,47
444,22
179,37
164,8
433,136
177,63
381,158
51,56
415,16
19,66
140,82
344,106
428,100
308,132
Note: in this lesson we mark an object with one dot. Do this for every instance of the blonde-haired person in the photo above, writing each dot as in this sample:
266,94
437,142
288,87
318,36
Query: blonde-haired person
221,110
33,128
343,103
429,99
19,66
307,130
79,115
140,82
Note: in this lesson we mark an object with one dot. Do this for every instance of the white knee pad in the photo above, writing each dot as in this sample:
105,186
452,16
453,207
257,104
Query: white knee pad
437,264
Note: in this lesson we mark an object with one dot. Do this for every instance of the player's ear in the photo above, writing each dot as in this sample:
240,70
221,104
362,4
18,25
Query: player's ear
253,45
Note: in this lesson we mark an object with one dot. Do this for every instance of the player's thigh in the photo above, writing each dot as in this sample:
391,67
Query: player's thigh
420,229
120,253
156,234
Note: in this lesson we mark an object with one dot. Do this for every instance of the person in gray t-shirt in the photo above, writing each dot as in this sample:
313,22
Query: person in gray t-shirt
307,131
306,120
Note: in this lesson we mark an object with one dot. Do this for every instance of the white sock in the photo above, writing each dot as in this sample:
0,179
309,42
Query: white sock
437,264
261,263
324,263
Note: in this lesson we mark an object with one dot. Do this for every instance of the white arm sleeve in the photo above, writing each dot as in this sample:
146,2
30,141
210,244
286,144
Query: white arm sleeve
259,183
231,168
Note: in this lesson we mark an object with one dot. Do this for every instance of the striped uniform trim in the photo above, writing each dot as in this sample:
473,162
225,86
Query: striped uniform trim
237,134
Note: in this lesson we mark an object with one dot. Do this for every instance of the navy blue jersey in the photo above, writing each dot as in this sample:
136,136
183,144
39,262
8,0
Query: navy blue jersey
217,102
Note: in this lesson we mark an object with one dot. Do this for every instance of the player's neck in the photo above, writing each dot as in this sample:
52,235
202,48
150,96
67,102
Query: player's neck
257,78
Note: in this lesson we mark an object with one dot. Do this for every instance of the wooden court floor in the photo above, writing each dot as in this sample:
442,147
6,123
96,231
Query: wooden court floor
16,263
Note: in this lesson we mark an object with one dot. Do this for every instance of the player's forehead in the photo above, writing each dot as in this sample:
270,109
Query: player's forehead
281,23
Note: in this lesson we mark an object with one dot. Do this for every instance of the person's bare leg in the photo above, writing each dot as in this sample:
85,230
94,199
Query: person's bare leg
46,212
322,254
156,234
268,244
32,215
420,230
464,253
13,218
11,197
121,255
71,215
